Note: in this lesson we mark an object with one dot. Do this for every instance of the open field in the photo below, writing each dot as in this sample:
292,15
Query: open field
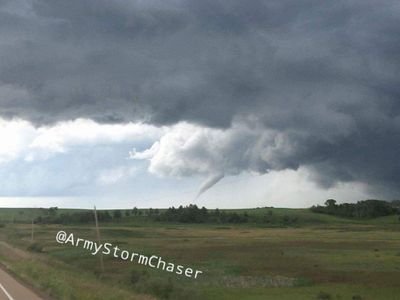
321,257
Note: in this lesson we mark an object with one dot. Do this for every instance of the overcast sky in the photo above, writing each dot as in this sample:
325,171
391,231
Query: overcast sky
243,103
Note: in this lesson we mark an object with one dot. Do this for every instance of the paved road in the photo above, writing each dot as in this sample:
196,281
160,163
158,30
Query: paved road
11,289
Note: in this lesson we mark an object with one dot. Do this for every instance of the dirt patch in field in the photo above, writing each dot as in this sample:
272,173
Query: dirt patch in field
252,281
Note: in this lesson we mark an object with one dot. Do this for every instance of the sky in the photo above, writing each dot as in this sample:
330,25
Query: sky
219,103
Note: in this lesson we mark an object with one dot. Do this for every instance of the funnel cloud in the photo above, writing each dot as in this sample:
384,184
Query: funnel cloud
209,183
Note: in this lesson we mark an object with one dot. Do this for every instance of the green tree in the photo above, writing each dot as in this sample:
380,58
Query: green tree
330,203
117,214
135,211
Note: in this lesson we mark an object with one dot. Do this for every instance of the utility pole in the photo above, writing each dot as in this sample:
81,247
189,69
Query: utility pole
32,229
98,239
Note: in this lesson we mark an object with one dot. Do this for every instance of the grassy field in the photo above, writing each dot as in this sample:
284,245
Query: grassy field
322,257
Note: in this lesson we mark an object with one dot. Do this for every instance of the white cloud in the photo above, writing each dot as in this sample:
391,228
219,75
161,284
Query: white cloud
190,150
15,137
146,154
20,139
77,157
187,149
82,131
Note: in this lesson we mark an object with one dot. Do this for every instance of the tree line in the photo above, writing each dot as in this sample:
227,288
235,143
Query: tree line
187,214
360,210
193,214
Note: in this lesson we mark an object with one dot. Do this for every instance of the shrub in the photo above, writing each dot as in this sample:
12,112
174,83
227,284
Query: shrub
303,282
35,247
324,296
137,275
162,289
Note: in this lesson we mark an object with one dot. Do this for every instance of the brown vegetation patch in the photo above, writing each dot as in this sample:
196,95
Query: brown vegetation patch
252,281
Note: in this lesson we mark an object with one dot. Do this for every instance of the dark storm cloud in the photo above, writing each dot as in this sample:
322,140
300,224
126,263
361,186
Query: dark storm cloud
326,74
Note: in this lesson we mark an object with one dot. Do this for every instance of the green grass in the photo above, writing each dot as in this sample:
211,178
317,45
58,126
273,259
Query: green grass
324,255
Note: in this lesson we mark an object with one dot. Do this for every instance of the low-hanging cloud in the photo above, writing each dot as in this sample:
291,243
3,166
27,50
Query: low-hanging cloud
192,150
266,85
